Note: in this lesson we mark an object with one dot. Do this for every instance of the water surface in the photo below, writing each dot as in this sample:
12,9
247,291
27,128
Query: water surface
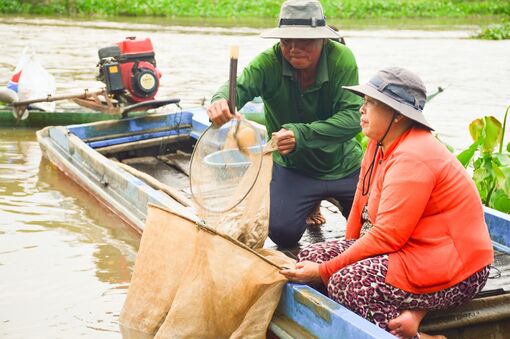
194,60
65,262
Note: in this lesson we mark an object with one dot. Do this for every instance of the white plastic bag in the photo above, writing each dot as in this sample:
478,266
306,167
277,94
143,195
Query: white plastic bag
13,82
34,81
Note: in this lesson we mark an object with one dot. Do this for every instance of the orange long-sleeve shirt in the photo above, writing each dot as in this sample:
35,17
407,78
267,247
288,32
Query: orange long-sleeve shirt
426,215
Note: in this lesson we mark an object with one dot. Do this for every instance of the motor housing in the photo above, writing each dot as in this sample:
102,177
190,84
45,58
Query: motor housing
128,69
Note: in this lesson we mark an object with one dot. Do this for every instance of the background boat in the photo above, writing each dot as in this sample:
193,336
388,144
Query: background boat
42,119
253,110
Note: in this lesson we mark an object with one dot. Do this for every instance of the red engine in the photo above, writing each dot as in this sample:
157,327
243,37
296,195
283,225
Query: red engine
129,70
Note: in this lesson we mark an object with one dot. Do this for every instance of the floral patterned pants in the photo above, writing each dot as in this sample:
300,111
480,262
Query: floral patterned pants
361,286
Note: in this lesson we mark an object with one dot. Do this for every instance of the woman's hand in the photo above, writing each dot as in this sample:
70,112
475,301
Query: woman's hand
304,272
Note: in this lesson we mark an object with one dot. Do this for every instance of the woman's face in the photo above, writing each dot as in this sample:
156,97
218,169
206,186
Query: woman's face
302,54
375,118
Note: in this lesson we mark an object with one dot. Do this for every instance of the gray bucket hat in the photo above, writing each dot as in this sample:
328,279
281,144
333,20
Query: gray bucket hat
398,88
301,19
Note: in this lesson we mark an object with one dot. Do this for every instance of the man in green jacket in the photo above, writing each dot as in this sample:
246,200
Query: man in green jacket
311,118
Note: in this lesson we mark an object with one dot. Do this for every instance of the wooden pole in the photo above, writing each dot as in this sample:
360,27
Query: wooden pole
86,93
232,80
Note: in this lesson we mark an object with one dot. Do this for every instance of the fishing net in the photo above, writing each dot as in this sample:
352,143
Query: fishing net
190,281
230,174
223,158
207,276
248,222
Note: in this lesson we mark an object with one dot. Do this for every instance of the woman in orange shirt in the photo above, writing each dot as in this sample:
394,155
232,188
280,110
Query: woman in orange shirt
416,238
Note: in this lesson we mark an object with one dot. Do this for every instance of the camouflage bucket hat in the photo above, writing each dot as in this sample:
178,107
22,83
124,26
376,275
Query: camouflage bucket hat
398,88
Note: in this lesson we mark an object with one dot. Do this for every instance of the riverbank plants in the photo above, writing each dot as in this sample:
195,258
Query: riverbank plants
258,8
495,32
490,159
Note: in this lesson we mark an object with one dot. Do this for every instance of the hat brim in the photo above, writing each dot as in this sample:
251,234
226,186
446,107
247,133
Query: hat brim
402,108
300,32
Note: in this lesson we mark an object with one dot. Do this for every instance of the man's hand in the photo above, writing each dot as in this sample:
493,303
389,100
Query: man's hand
304,272
285,141
219,113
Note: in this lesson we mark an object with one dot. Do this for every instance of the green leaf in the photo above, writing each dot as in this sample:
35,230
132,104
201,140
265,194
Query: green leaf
466,155
492,133
505,185
497,173
476,129
503,159
491,170
484,182
500,201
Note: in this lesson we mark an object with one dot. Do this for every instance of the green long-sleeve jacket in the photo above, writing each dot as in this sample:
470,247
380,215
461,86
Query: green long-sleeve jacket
324,118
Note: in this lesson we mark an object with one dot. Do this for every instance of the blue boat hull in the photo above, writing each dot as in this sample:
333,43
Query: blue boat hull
78,151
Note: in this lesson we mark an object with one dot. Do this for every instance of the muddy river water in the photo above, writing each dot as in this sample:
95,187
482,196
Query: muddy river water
65,262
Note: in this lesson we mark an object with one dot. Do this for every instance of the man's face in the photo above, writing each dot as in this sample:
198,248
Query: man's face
302,53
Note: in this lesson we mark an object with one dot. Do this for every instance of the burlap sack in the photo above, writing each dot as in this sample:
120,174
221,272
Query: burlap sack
166,249
191,282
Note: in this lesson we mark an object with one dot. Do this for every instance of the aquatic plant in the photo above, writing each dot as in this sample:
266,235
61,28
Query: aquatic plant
258,8
495,32
491,169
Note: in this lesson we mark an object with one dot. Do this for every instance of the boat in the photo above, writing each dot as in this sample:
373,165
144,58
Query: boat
18,114
253,110
127,164
39,119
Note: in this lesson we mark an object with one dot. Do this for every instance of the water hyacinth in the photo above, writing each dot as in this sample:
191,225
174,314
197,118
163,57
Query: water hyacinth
495,32
491,168
258,8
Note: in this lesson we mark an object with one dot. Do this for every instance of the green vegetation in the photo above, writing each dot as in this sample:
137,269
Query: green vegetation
495,32
257,8
416,8
491,168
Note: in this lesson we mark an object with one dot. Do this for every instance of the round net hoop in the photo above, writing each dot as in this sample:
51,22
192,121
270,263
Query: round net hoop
225,164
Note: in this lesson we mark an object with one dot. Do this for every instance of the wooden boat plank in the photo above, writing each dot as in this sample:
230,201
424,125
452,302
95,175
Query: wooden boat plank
134,138
126,135
179,160
500,273
160,141
172,191
480,318
162,172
